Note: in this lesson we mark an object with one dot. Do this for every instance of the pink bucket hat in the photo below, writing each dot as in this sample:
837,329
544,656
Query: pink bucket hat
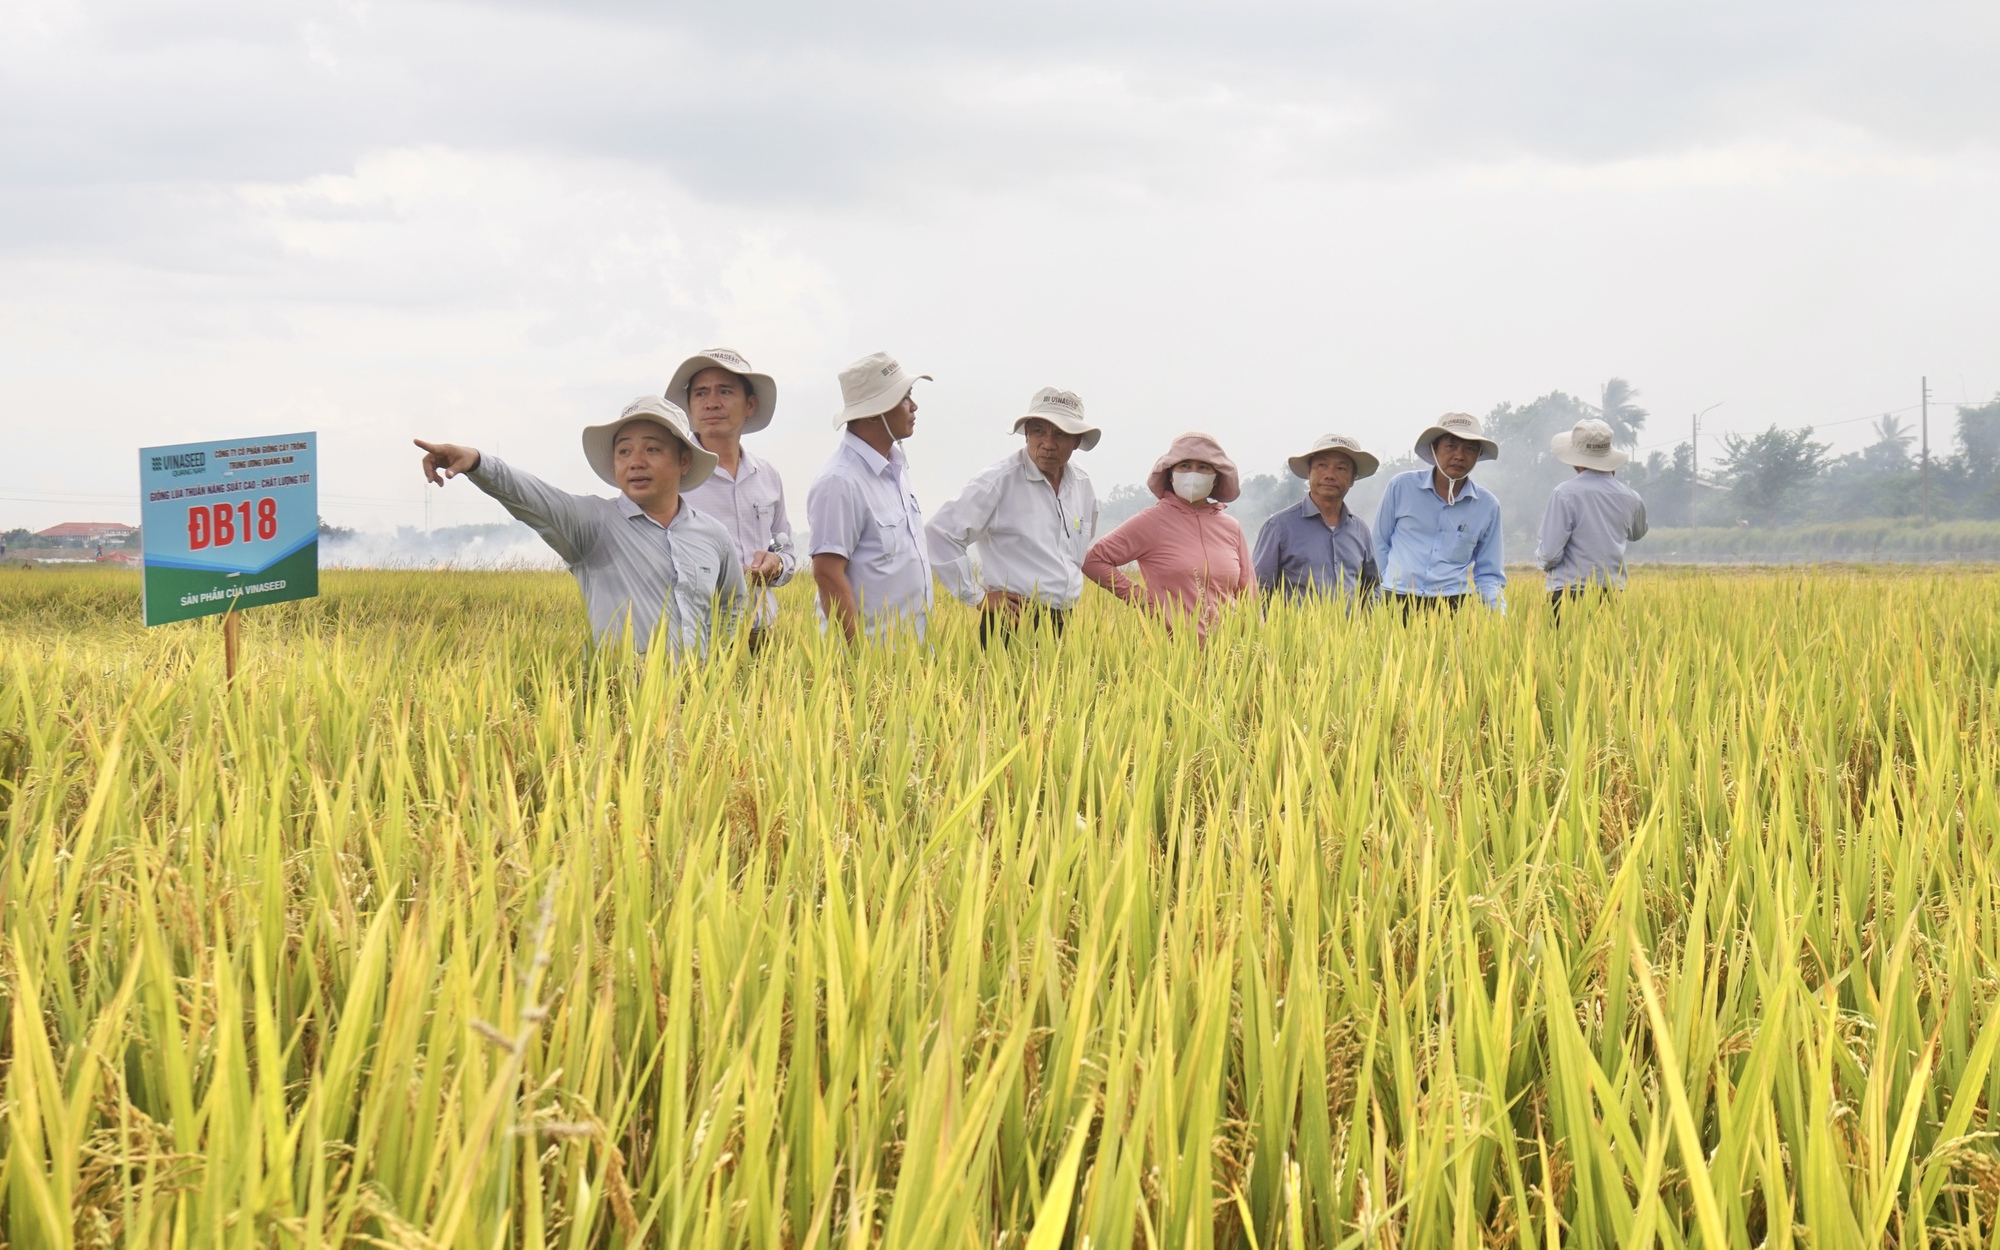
1195,447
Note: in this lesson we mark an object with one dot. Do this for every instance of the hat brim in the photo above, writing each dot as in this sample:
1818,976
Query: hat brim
763,384
1564,449
1364,464
599,439
877,404
1088,433
1488,449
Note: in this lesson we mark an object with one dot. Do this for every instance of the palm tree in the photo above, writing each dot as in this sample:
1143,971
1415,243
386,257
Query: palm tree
1619,412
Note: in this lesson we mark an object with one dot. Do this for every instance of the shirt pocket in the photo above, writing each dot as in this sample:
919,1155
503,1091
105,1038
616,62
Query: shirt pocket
1458,543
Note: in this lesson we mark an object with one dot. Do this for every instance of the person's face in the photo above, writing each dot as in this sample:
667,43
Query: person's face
1455,455
902,419
1048,447
1329,474
719,403
648,462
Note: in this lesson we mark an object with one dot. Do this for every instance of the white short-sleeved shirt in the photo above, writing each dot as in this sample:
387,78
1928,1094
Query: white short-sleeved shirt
861,507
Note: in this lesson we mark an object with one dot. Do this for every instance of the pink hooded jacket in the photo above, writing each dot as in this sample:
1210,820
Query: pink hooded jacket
1194,559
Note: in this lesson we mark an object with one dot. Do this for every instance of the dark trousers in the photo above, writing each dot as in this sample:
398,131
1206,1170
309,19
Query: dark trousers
1033,616
1413,603
1571,593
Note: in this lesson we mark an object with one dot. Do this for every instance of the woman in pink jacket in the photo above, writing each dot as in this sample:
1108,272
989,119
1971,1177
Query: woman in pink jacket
1193,557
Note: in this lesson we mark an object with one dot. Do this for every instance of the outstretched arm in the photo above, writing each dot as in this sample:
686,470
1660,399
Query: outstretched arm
563,520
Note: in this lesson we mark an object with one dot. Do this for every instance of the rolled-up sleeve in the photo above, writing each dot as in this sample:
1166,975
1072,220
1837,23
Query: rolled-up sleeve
563,520
835,514
1638,530
952,530
781,539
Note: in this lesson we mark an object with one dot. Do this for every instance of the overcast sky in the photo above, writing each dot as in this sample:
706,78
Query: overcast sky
496,223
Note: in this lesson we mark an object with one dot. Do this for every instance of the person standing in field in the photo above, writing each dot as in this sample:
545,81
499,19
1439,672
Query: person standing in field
1033,515
647,559
1589,519
867,528
1319,546
1437,535
725,399
1193,557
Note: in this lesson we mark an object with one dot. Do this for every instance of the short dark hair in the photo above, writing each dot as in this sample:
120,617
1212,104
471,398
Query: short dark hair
749,388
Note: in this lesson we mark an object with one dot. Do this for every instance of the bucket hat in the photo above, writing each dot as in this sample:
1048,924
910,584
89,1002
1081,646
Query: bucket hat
1588,446
1364,464
598,439
872,386
1195,446
1063,410
761,384
1459,425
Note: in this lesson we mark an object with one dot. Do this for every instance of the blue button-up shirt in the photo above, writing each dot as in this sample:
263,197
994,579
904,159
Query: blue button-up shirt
1297,551
1426,546
1589,520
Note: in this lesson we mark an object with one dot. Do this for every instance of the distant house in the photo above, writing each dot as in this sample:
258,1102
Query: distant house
86,533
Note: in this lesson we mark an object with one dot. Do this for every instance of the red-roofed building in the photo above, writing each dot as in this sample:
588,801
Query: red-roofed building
89,531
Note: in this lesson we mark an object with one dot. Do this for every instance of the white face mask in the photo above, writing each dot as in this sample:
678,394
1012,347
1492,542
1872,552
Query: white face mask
1193,487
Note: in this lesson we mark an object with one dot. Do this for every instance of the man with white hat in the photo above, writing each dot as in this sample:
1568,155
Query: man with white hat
646,558
1033,515
1319,546
1437,535
1590,518
867,528
726,399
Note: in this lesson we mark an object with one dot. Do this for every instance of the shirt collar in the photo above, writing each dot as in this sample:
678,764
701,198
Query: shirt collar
1309,509
632,510
875,461
1468,489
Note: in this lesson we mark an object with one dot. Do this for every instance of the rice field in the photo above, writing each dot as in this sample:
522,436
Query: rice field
1678,925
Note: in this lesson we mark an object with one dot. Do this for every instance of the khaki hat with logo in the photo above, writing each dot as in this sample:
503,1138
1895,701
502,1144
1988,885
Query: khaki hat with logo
761,384
1063,410
1364,464
1460,425
599,440
872,386
1588,446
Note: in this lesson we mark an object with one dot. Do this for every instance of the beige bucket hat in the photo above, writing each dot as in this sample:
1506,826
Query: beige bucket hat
872,386
1196,446
598,439
1459,425
761,384
1063,410
1588,446
1364,464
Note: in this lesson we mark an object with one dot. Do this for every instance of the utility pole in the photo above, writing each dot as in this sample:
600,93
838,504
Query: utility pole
1694,460
1927,450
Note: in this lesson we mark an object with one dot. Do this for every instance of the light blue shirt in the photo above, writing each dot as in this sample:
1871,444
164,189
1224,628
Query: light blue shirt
861,507
1589,520
629,566
1426,546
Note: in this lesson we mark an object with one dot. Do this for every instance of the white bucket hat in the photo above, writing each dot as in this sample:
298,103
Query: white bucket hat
872,386
598,439
1364,464
1588,446
1459,425
761,384
1063,410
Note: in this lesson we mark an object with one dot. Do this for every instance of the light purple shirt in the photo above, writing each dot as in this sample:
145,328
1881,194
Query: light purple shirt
751,506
